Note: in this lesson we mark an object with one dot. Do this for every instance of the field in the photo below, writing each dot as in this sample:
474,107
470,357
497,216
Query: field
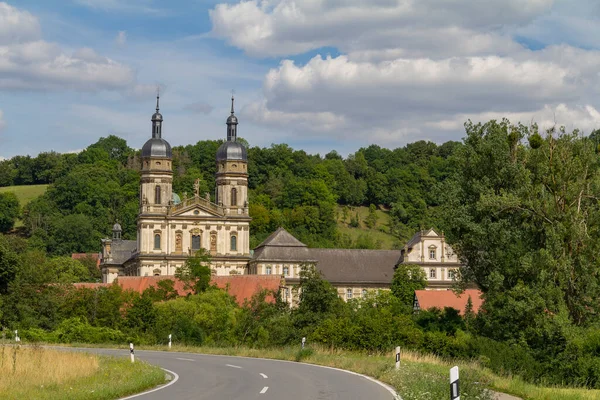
33,372
25,193
378,233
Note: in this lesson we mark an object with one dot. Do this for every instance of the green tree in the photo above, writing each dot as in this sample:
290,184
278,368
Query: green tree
9,211
195,272
9,264
408,278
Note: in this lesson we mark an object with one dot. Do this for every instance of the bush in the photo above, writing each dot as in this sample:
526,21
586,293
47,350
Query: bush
76,330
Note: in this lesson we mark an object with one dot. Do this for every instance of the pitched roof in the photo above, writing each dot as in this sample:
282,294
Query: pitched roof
356,265
447,298
282,246
417,236
121,251
281,238
242,287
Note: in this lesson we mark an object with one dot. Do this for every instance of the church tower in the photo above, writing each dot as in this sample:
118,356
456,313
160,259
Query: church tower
157,176
232,172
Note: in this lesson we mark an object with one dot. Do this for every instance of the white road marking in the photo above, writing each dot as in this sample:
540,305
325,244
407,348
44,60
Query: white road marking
263,375
185,359
264,390
175,379
233,366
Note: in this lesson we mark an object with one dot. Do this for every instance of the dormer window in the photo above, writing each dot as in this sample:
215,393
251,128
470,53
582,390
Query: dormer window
432,252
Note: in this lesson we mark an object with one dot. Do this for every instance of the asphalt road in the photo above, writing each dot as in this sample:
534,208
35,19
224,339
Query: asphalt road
203,377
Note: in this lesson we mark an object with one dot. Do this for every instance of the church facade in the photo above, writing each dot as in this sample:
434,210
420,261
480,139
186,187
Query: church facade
170,229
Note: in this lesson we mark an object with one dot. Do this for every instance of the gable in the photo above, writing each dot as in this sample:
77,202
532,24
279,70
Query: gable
195,211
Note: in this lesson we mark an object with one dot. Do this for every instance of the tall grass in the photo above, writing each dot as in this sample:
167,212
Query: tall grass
34,372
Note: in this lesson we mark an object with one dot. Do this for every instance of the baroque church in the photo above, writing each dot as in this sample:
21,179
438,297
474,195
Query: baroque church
170,229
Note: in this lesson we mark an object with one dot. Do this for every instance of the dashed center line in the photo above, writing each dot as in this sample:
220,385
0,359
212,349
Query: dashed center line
233,366
264,390
263,375
185,359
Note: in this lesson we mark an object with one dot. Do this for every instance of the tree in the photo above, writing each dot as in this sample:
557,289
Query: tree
195,272
524,220
318,298
408,278
9,264
9,211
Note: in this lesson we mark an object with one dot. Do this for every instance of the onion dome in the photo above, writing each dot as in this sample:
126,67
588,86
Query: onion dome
232,149
157,146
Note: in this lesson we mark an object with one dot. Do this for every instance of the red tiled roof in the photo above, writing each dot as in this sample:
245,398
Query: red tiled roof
447,298
242,287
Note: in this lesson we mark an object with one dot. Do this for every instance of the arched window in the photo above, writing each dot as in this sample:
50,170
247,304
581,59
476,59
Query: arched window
195,242
432,273
233,243
234,197
157,241
157,195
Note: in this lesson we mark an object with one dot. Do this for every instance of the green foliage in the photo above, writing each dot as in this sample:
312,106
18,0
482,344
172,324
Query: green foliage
408,278
9,264
9,211
195,272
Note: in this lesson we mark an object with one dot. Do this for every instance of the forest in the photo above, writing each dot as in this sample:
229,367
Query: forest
521,208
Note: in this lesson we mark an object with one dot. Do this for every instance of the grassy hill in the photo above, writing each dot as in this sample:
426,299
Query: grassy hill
25,193
379,232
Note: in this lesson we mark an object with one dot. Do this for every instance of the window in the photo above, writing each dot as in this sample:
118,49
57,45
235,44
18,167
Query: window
364,293
233,243
348,293
432,254
234,197
157,241
268,270
195,242
451,274
286,293
432,273
157,195
286,271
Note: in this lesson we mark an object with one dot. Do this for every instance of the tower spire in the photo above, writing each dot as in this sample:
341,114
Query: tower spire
232,122
157,119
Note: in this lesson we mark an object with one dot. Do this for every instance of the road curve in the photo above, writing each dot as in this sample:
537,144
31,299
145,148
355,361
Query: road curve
214,377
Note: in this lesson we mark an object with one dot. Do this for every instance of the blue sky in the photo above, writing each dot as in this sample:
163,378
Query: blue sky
318,75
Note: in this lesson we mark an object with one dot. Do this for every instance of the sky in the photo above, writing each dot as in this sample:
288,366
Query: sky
315,74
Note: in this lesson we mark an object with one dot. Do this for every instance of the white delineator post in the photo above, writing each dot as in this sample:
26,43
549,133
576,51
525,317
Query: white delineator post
398,357
169,341
454,386
131,352
303,341
17,338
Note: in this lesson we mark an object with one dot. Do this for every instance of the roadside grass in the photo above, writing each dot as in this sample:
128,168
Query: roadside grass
379,233
421,376
34,372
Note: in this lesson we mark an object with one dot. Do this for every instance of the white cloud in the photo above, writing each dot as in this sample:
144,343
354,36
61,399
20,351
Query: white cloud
121,38
17,26
408,70
583,117
286,27
29,63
